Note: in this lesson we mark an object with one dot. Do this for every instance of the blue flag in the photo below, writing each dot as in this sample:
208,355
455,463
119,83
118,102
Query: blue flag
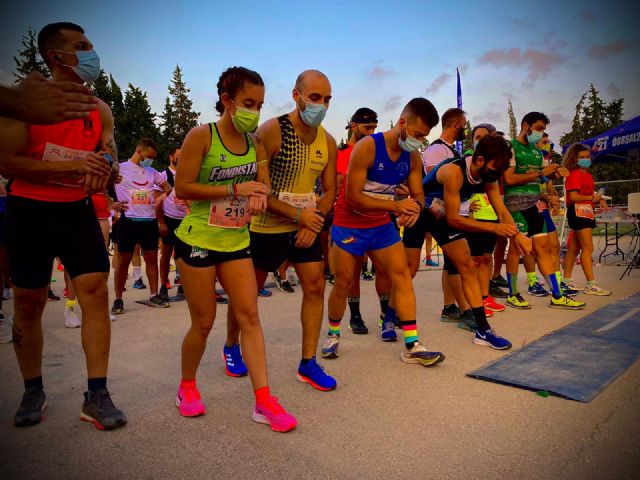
459,93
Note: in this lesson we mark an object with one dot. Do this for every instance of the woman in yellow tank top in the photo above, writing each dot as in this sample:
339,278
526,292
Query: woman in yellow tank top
220,171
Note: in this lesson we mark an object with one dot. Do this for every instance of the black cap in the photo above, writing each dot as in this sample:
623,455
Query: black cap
363,115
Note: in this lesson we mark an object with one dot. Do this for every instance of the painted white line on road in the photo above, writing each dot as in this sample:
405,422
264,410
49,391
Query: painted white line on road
617,321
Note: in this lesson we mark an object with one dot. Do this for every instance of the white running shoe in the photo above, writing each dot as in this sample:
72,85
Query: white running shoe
7,293
112,317
6,323
573,285
596,290
71,319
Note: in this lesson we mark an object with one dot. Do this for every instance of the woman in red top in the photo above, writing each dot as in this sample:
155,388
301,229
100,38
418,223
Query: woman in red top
580,199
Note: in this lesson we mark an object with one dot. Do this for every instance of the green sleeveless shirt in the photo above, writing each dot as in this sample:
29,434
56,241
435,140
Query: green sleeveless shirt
219,167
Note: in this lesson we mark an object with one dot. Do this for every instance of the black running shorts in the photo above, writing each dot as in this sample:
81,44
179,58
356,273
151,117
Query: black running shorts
269,250
481,243
203,258
172,224
38,231
132,232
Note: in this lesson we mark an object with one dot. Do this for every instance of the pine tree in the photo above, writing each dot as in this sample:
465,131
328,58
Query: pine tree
28,59
138,121
102,89
178,116
513,124
593,116
467,143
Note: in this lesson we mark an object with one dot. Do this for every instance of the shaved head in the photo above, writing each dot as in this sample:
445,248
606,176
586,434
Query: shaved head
308,75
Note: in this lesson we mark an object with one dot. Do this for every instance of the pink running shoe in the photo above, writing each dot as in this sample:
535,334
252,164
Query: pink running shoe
275,415
188,401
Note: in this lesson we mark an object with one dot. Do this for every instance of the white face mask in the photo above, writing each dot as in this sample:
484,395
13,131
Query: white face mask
411,144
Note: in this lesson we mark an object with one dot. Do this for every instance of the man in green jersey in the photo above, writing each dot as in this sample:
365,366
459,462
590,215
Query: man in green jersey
522,194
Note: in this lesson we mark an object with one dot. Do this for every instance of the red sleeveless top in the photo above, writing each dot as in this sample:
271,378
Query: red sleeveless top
68,140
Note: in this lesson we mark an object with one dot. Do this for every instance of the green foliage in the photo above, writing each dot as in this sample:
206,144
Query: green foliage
178,115
513,124
593,116
467,143
28,59
138,121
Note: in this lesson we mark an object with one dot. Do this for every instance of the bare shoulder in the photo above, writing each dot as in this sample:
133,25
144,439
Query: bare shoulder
104,110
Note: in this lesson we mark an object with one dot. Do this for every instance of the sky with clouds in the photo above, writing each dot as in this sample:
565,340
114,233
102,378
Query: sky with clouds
542,55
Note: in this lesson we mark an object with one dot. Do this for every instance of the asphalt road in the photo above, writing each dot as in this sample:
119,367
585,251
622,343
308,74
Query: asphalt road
385,420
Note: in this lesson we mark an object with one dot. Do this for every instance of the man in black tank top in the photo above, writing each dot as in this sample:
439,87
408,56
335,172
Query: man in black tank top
445,189
453,123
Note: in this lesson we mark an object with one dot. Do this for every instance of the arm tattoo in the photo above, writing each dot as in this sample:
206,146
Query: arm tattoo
111,145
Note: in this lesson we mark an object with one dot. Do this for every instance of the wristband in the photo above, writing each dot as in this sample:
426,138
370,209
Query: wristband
320,213
298,213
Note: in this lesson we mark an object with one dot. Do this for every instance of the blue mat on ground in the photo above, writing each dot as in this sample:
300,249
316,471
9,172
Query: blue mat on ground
579,360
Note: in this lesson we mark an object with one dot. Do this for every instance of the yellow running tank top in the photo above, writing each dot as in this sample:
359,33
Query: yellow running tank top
294,172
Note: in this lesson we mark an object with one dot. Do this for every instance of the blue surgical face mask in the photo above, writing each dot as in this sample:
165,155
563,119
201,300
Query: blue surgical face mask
88,67
411,144
313,113
147,162
534,137
584,162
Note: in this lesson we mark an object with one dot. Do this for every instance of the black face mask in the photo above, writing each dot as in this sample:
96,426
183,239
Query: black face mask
460,134
490,176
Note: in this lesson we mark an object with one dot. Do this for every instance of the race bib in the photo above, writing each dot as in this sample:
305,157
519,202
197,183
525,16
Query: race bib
380,196
437,208
229,212
298,200
57,153
141,197
584,210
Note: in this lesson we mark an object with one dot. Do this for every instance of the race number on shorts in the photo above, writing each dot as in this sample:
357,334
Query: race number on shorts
229,213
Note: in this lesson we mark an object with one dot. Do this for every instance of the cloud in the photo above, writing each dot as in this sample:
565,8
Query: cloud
392,103
613,48
378,72
538,63
463,67
438,83
588,16
614,90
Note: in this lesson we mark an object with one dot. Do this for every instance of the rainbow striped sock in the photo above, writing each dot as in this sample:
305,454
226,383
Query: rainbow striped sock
410,331
334,327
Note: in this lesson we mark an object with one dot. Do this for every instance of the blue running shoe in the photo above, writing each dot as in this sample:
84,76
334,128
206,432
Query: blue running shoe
567,290
388,333
139,284
313,374
490,339
233,363
428,262
538,290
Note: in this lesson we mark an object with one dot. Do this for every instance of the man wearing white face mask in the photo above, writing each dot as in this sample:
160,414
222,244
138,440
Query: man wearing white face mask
522,193
139,223
55,168
299,151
